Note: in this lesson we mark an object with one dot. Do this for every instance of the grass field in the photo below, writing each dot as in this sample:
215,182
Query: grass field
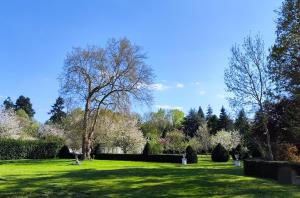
59,178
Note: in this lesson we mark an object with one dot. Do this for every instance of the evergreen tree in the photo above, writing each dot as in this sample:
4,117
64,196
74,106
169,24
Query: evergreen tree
24,103
192,122
200,113
57,113
224,121
209,112
212,124
241,123
285,57
8,103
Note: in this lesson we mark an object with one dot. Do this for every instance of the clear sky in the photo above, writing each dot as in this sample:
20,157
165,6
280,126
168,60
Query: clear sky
187,41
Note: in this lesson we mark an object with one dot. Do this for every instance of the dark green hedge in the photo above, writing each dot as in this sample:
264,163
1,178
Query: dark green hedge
191,155
140,157
28,149
267,169
219,154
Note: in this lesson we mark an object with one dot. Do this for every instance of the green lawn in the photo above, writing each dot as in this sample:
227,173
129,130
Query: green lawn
58,178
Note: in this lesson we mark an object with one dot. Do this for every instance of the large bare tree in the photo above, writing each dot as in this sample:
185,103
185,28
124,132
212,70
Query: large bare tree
246,78
112,77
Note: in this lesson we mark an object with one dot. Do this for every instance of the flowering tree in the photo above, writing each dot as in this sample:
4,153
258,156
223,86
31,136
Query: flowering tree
116,130
129,137
176,141
50,130
228,139
9,124
203,137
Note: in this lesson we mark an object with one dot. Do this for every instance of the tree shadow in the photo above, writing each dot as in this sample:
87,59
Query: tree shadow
146,182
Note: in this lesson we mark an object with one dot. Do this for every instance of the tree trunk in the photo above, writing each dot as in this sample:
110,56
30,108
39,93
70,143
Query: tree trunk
270,153
265,125
85,135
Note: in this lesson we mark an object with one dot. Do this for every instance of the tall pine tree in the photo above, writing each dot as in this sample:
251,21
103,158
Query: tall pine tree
24,103
224,121
57,112
8,103
241,123
285,54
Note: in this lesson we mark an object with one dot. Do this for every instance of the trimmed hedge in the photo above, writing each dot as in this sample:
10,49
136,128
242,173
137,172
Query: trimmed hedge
64,153
219,154
147,149
191,155
267,169
11,149
140,157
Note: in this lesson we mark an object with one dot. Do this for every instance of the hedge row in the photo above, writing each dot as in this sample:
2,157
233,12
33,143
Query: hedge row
267,169
28,149
140,157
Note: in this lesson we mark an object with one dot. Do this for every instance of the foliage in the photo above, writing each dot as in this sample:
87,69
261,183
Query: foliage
228,139
24,103
287,152
49,131
242,123
9,124
118,130
195,144
191,155
28,149
177,117
204,138
224,121
29,126
156,145
192,122
57,113
176,142
212,124
73,126
8,104
219,154
284,58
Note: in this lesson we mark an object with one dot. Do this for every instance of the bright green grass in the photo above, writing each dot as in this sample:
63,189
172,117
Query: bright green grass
58,178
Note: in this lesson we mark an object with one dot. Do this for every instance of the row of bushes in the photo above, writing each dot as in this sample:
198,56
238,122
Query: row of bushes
28,149
268,169
139,157
191,156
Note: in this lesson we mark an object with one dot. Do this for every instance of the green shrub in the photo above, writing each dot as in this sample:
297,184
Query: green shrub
191,155
220,154
28,149
64,153
147,149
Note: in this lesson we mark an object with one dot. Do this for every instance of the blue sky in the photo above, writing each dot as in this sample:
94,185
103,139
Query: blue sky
187,42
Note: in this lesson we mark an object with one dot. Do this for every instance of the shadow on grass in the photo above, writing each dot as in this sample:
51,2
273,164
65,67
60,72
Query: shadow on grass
146,182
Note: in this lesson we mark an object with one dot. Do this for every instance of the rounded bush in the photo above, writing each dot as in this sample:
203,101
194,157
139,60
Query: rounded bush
220,154
191,155
64,153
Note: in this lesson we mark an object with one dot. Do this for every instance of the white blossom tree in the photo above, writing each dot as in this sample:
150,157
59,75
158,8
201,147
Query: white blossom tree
50,130
228,139
9,124
203,137
117,130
